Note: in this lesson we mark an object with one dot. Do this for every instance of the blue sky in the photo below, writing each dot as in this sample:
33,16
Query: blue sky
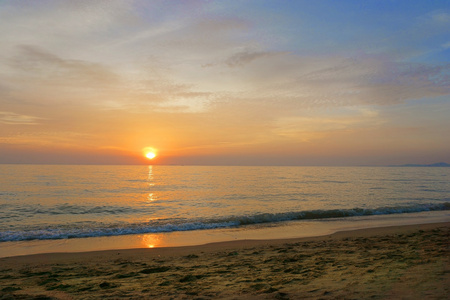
225,82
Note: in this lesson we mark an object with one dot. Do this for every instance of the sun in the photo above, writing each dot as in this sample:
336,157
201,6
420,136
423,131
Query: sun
149,153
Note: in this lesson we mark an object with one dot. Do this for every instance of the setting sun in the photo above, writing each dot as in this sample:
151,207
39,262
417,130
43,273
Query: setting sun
150,155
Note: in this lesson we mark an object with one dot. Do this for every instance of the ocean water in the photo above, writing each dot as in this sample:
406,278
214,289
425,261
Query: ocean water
61,202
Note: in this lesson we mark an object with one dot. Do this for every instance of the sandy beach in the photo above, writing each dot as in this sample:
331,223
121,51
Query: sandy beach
402,262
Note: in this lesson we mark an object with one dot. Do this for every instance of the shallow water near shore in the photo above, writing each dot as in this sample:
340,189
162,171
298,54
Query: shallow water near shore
84,208
283,230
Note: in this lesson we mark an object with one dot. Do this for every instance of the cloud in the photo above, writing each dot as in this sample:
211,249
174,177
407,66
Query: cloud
440,17
246,57
123,67
35,62
60,25
55,79
35,75
288,83
10,118
124,61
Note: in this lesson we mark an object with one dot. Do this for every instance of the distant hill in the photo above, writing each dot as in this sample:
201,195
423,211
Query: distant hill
439,164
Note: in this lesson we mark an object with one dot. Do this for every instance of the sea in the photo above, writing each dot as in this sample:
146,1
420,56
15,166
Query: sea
70,208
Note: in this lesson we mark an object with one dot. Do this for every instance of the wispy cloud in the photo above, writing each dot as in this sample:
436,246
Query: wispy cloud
35,62
160,63
245,57
441,17
10,118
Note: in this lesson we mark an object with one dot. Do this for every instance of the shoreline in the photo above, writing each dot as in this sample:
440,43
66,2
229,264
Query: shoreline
179,250
281,230
384,262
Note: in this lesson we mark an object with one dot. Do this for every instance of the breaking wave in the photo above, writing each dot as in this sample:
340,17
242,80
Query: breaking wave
98,229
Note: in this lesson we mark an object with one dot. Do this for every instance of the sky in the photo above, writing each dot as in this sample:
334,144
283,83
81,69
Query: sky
225,82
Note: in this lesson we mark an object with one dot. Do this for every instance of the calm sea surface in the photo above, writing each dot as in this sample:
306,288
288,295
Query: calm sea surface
39,202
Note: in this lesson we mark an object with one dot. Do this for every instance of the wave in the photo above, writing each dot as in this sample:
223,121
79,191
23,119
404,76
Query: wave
69,209
95,229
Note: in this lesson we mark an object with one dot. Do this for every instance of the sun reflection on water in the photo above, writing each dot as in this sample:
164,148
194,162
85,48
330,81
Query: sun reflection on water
150,176
151,197
151,240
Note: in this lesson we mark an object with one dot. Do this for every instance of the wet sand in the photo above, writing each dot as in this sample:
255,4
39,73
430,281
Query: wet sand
402,262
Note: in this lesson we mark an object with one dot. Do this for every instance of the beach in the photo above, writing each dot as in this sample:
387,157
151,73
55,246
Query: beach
398,262
224,149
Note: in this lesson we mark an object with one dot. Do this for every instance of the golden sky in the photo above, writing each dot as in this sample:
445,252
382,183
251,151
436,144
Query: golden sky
225,82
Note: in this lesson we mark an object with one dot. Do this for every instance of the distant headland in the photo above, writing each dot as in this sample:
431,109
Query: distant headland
439,164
